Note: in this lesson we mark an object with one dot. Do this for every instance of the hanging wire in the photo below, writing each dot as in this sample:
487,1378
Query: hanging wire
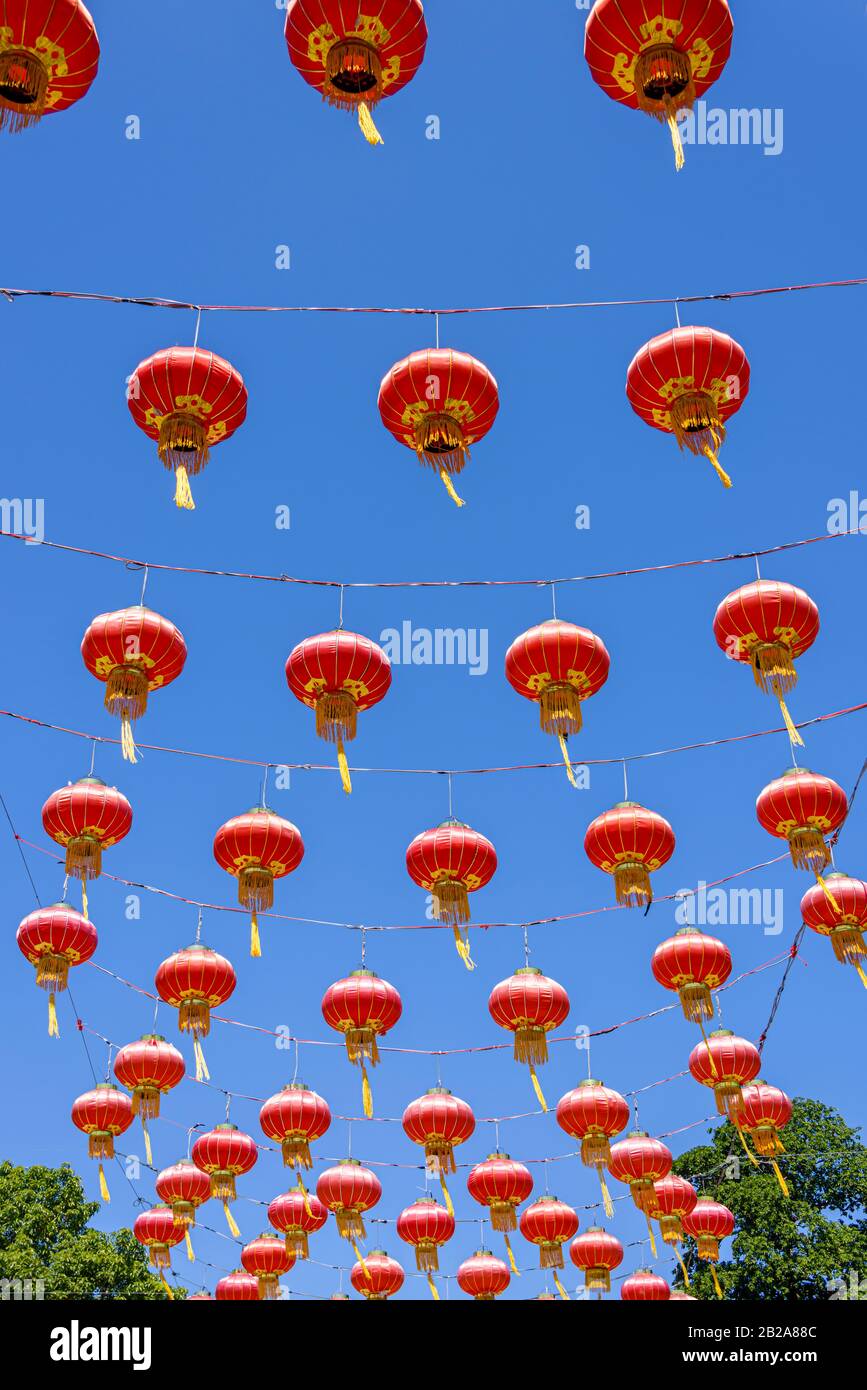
264,800
554,600
526,946
677,311
93,744
451,809
625,782
198,326
144,585
340,616
199,928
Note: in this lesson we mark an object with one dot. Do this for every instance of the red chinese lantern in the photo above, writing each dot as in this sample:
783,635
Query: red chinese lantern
426,1226
449,863
645,1287
266,1258
691,964
184,1188
501,1184
338,674
630,843
297,1215
255,849
349,1190
769,625
725,1063
194,981
640,1162
438,403
594,1114
378,1277
188,400
363,1008
529,1005
765,1110
150,1068
49,54
803,807
294,1118
157,1232
225,1153
659,64
54,939
597,1252
674,1198
483,1276
844,924
708,1223
133,651
355,60
102,1114
688,383
86,817
559,666
439,1122
549,1223
237,1287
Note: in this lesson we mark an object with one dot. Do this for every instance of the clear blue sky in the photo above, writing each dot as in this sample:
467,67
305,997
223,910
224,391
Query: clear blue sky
236,157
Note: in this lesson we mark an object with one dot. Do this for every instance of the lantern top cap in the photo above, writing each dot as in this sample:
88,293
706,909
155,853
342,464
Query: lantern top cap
721,1033
296,1086
89,782
638,1134
362,974
378,1252
796,772
528,970
591,1081
488,1253
498,1153
260,811
596,1231
225,1126
106,1086
198,946
627,806
152,1037
688,931
452,824
438,1091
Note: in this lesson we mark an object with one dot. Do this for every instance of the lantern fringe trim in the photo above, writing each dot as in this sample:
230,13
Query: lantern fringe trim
503,1216
632,884
296,1151
297,1244
355,62
24,83
194,1016
336,722
595,1148
560,709
126,697
729,1098
774,673
427,1257
696,1001
83,858
450,901
223,1185
847,941
269,1286
597,1279
100,1144
361,1044
160,1256
441,444
708,1247
697,425
551,1255
657,71
808,849
350,1224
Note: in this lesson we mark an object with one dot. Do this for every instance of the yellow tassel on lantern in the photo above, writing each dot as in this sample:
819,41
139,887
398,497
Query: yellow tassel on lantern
183,492
166,1286
828,894
564,749
255,942
747,1150
368,129
606,1195
360,1258
559,1287
653,1249
84,899
512,1265
677,143
149,1158
716,1283
343,765
190,1253
202,1073
446,1194
784,1187
463,948
450,489
538,1089
366,1094
717,466
53,1030
682,1266
304,1193
103,1185
230,1220
793,733
711,1062
435,1293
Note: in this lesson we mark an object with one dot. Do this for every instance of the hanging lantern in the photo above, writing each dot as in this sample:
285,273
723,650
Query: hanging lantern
294,1118
768,625
688,383
803,807
501,1184
255,849
674,1198
594,1114
640,1162
49,54
266,1258
844,923
529,1005
150,1068
426,1226
439,1122
349,1190
356,60
54,939
188,400
297,1215
725,1063
133,651
691,964
378,1277
237,1287
630,843
645,1287
449,863
559,666
86,817
362,1008
194,981
102,1114
659,64
184,1188
765,1110
483,1277
225,1153
157,1232
708,1223
438,403
597,1252
338,674
549,1223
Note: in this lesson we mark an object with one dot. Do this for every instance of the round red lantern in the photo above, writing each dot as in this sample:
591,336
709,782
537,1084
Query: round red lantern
645,1287
378,1277
630,843
426,1226
640,1162
659,64
501,1184
349,1190
188,400
102,1114
133,651
266,1258
54,939
769,625
708,1223
225,1153
363,1008
338,674
594,1114
549,1223
297,1215
451,862
691,964
86,817
438,403
439,1121
765,1110
803,807
355,60
688,383
483,1276
558,665
237,1287
150,1068
255,849
184,1188
194,981
294,1118
597,1252
49,54
157,1232
844,923
529,1006
725,1063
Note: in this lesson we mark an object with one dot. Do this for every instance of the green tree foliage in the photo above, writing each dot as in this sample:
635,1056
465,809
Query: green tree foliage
811,1246
44,1235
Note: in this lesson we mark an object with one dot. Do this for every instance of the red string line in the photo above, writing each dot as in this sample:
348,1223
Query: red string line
432,583
432,771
